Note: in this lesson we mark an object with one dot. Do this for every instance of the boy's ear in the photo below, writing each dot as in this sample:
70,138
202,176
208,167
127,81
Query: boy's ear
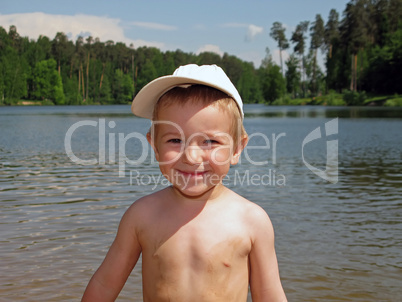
151,141
239,149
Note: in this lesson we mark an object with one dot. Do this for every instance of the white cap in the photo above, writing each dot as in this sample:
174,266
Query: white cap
209,75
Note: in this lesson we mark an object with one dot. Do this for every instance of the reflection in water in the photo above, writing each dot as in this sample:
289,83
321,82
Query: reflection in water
337,242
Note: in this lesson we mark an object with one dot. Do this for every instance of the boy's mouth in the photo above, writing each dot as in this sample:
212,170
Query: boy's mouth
191,173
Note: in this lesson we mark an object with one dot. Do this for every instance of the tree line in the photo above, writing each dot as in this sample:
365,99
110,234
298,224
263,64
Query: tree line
362,50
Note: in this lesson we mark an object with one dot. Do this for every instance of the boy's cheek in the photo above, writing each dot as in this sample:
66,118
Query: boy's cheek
168,157
221,156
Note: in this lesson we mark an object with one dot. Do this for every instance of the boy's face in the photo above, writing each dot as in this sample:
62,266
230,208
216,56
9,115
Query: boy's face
194,147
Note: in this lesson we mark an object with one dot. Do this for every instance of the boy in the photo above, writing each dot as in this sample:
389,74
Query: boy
199,240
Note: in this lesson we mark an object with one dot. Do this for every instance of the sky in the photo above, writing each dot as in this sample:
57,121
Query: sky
239,28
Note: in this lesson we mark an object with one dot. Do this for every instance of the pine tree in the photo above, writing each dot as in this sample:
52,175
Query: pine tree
278,34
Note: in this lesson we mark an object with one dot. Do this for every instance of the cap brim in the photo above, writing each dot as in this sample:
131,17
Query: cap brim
144,102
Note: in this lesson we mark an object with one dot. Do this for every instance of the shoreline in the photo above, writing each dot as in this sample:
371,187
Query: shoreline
369,104
325,101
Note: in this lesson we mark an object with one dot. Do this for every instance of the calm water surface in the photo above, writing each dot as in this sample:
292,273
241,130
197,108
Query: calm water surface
335,242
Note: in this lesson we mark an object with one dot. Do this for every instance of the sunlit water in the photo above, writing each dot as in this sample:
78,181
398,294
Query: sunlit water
335,242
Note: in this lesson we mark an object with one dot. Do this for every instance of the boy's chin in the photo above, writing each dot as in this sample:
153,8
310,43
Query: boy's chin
194,191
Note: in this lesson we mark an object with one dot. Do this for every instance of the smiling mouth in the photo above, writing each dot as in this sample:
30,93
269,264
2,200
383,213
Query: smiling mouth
192,173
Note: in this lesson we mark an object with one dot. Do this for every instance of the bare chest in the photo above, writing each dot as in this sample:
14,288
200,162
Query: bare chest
202,245
207,262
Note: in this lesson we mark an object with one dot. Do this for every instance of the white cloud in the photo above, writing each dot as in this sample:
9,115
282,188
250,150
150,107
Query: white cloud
156,26
252,31
210,48
34,24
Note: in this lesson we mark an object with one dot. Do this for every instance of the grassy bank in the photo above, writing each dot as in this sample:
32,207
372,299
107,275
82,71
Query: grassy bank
331,99
40,103
27,103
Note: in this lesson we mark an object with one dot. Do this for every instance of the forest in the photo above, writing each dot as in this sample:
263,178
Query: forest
362,47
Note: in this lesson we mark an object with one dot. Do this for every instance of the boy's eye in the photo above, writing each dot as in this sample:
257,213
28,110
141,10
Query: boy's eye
174,140
211,142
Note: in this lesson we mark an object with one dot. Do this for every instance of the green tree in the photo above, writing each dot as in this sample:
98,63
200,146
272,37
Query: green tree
234,68
332,45
272,83
47,82
384,72
2,86
292,75
170,65
317,40
14,38
123,87
89,40
180,58
311,69
354,33
105,92
72,96
15,72
59,47
278,34
43,49
249,85
276,84
299,39
395,15
146,73
267,62
331,31
209,58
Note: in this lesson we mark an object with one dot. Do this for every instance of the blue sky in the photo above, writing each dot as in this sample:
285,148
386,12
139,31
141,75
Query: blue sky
239,28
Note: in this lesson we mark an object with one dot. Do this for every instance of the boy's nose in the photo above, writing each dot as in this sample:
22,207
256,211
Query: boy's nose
193,155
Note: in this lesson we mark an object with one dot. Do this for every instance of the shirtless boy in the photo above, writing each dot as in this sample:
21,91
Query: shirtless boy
199,240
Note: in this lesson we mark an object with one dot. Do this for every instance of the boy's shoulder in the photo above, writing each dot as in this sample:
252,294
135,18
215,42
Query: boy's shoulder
243,201
144,211
255,219
148,203
249,210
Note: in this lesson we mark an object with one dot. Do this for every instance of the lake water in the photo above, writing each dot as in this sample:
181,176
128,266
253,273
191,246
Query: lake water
335,241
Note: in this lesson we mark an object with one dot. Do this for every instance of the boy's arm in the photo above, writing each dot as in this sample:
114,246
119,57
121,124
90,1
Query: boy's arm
109,279
265,283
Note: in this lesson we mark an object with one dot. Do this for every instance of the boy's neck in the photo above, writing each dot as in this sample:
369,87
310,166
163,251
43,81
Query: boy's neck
209,196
